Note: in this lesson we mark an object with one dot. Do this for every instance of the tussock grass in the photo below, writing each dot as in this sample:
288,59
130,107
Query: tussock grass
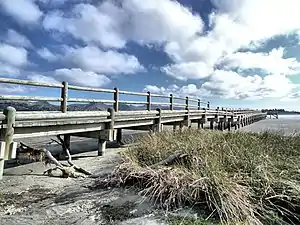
238,178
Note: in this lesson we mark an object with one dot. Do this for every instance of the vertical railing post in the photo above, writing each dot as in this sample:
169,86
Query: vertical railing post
186,103
199,104
116,99
64,96
148,101
171,102
8,148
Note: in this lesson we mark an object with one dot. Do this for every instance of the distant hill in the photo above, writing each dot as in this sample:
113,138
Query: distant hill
46,106
280,111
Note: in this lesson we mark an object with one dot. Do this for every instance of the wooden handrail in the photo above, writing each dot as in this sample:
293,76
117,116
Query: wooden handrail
64,98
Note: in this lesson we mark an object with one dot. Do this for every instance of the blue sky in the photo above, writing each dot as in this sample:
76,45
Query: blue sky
234,53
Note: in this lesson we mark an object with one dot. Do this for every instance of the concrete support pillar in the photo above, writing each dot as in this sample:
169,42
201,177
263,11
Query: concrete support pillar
119,136
174,127
67,140
229,126
8,148
221,125
212,124
181,126
101,147
199,124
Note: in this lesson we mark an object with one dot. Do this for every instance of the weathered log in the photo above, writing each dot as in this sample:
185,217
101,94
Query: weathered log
177,156
66,171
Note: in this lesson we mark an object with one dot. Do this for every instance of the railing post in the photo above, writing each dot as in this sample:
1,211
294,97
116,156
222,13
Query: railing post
148,101
199,104
8,148
171,102
116,99
187,103
64,96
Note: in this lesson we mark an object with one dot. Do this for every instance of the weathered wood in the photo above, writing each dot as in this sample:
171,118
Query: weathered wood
133,102
28,82
171,102
64,96
101,147
177,156
90,100
187,103
78,88
133,93
10,114
148,101
116,100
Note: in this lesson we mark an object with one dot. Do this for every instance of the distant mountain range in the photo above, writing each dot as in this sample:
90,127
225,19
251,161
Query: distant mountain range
46,106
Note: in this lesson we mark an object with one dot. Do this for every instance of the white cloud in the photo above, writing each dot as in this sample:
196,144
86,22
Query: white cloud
46,54
17,39
42,78
272,62
154,21
189,70
8,70
13,55
237,24
12,89
91,58
89,24
23,11
228,84
80,77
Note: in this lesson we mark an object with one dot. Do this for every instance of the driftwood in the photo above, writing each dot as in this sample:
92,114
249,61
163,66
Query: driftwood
170,160
70,170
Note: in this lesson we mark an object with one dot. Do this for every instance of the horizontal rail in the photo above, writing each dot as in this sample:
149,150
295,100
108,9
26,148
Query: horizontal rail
60,115
30,83
78,88
90,100
160,103
132,102
133,93
29,98
65,88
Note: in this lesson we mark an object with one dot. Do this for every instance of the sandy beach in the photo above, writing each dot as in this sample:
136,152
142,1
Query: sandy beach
28,197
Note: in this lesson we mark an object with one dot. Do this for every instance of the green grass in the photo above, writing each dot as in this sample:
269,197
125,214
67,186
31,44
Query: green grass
239,178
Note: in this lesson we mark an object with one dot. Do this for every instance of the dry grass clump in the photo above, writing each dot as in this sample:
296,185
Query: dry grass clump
240,178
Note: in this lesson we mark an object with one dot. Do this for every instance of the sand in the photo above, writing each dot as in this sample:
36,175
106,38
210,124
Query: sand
27,197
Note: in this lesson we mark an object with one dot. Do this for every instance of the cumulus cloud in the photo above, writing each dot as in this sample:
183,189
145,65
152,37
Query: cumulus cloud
80,77
271,62
229,84
154,21
188,70
46,54
8,70
12,89
41,78
88,23
17,39
15,56
91,58
23,11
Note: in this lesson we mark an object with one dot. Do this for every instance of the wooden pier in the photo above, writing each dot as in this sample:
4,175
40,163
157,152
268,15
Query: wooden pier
108,125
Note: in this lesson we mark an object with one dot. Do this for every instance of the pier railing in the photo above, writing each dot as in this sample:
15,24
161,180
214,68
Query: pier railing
172,101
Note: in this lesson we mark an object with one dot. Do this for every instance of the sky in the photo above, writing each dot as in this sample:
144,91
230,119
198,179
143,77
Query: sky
233,53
